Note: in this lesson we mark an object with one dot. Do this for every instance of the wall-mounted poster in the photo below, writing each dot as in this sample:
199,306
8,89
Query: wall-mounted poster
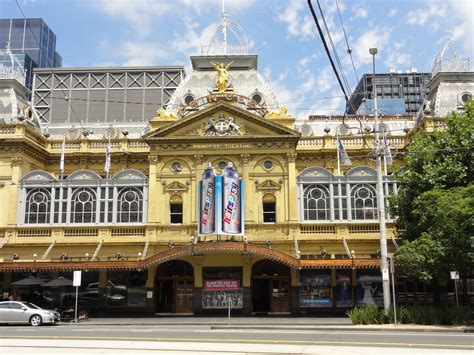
217,294
369,289
315,290
343,289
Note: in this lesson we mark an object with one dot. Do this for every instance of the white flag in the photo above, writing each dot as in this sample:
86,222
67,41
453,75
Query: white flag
343,157
107,159
63,149
386,151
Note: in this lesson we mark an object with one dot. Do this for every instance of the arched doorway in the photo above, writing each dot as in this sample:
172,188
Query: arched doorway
174,286
271,283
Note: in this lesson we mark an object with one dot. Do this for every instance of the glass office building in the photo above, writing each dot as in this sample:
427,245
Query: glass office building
33,38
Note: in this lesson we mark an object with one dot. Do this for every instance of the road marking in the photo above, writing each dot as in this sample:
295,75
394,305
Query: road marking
256,341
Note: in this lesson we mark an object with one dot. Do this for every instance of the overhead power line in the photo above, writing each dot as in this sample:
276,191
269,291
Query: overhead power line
321,35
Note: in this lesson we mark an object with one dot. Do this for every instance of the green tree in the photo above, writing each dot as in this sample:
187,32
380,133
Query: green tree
435,204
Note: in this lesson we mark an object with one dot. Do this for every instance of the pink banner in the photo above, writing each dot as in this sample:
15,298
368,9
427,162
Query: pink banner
221,285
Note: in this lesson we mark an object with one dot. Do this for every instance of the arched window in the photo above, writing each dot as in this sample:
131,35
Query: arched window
38,206
269,208
316,203
364,202
130,205
83,205
176,210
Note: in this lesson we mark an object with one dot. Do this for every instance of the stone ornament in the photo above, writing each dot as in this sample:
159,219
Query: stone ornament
222,126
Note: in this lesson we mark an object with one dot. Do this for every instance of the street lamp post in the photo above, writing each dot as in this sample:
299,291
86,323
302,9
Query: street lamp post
380,195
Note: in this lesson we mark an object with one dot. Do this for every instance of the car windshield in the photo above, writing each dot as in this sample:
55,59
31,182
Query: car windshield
31,305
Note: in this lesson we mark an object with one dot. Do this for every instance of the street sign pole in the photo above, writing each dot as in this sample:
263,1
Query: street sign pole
76,281
228,312
455,276
392,270
75,308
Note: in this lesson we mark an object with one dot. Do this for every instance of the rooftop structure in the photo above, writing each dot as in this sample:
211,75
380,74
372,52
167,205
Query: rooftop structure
397,93
96,98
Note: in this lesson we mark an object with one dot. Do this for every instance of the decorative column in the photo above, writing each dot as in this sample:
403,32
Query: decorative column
198,282
12,202
292,201
102,289
249,213
247,284
295,291
198,170
150,290
153,191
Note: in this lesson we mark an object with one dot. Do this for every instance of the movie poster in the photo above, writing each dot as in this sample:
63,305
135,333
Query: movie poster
315,291
218,294
369,289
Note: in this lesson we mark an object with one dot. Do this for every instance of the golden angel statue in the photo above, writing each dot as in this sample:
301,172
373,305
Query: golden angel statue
222,76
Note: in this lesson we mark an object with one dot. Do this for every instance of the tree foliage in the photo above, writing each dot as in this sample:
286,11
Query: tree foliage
435,204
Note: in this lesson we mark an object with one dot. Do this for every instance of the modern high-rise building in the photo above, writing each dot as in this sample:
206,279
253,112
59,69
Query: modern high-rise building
397,93
32,42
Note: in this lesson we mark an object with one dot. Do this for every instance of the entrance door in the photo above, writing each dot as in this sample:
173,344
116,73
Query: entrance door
165,296
184,295
280,296
261,295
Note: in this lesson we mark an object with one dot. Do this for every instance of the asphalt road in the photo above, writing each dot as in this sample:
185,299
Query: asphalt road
200,334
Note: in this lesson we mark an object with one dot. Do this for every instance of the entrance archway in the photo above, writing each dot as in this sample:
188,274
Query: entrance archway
174,287
271,283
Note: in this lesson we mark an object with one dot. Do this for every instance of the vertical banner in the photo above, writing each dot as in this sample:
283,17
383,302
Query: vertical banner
231,207
220,209
207,215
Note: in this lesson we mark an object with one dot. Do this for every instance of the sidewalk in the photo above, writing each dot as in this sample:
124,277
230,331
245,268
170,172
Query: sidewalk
288,323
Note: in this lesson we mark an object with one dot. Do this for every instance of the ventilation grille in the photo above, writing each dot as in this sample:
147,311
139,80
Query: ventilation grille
318,230
364,229
34,233
128,232
77,232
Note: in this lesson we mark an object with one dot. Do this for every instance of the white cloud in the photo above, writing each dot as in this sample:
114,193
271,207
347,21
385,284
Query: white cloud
298,24
133,53
463,11
456,16
429,12
398,60
308,59
140,14
215,6
374,37
190,41
326,79
360,12
392,12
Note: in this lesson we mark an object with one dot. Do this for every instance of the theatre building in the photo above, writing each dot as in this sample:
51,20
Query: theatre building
159,230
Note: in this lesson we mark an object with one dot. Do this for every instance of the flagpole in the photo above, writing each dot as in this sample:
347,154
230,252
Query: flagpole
385,156
107,159
61,162
338,159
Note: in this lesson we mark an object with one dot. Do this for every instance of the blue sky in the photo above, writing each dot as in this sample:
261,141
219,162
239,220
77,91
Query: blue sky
408,33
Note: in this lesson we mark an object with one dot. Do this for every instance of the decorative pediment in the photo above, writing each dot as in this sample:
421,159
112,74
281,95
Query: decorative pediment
268,185
223,119
175,188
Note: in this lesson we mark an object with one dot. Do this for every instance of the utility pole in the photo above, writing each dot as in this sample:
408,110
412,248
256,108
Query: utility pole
380,195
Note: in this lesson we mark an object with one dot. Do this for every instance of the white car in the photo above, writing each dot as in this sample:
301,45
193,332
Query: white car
26,312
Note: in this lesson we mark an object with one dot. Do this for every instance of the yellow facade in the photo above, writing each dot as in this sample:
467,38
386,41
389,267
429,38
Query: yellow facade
185,141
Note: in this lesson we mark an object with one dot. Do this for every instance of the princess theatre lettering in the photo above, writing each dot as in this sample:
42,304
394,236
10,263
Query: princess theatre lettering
221,198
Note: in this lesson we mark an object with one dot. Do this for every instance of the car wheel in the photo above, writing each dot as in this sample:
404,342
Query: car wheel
36,320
